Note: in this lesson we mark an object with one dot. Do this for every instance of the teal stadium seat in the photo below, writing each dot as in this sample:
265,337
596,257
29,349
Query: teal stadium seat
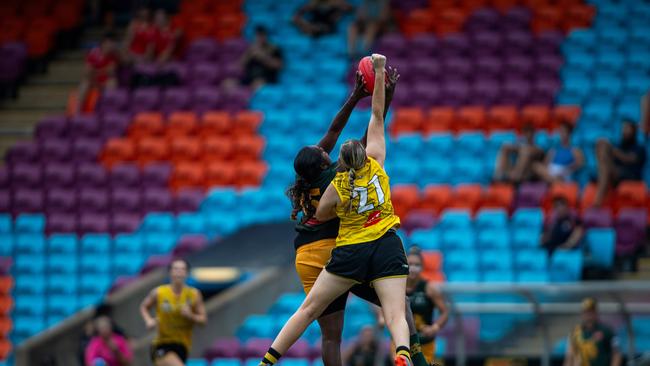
600,244
498,276
63,243
128,243
30,223
497,238
159,243
30,305
533,277
461,260
6,223
30,243
256,326
127,264
531,259
435,170
463,276
7,247
426,239
197,362
439,144
62,263
496,260
62,305
287,303
96,243
191,223
491,219
157,222
63,284
96,284
27,284
583,40
566,266
525,237
456,219
26,326
29,263
226,362
461,238
95,263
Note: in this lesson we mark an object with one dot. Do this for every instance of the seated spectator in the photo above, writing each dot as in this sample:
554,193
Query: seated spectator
262,61
562,161
165,37
515,161
140,36
618,163
107,346
565,231
100,70
319,17
371,18
365,351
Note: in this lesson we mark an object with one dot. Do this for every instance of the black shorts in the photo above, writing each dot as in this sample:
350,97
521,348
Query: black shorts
160,350
363,291
371,261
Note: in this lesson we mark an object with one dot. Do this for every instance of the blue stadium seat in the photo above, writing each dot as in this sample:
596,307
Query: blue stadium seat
30,284
501,276
33,305
525,238
435,170
159,243
62,284
497,238
294,362
157,222
636,83
566,266
596,114
458,239
220,200
470,143
608,84
62,263
532,218
439,144
613,62
638,58
27,326
496,260
457,219
197,362
532,277
29,243
191,223
408,143
469,170
531,259
251,362
63,243
6,223
225,362
580,40
128,243
491,219
461,260
257,326
96,243
600,244
627,109
95,263
86,300
30,223
495,327
463,276
427,239
403,170
500,138
287,303
95,284
62,305
579,60
8,243
127,264
29,263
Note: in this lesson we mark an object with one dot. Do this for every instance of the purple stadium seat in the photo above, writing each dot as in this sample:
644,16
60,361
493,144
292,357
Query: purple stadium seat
455,93
125,222
519,65
630,231
94,223
59,175
86,150
549,41
114,100
146,70
114,124
422,46
125,175
392,44
531,195
188,200
61,222
189,244
454,44
85,126
61,200
145,99
544,91
483,19
223,348
515,91
404,66
300,349
232,49
156,175
488,66
207,98
52,127
157,199
203,74
457,67
27,201
175,99
26,175
424,94
485,91
518,41
154,262
237,99
126,200
549,65
256,346
4,178
23,152
424,69
202,50
517,17
92,175
418,220
55,150
486,43
597,218
5,200
178,68
93,200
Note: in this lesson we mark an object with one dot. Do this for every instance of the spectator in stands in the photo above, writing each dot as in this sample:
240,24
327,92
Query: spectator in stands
319,17
100,71
592,343
365,351
562,161
371,18
107,346
165,37
515,161
140,38
617,163
565,231
262,61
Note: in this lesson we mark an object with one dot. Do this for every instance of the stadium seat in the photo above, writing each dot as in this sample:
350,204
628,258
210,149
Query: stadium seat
455,219
197,362
525,237
64,284
458,238
467,196
491,260
61,305
491,219
497,238
600,244
532,218
426,239
439,120
95,264
566,266
460,260
30,284
96,243
631,194
158,243
30,223
62,263
29,243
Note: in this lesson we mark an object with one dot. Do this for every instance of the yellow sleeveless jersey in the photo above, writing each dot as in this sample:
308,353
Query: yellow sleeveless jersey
371,214
172,326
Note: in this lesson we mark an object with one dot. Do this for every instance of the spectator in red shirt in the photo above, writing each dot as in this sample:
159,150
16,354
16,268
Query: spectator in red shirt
107,346
165,37
101,64
140,37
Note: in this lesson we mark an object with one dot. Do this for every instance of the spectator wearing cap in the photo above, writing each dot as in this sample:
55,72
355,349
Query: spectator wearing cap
592,343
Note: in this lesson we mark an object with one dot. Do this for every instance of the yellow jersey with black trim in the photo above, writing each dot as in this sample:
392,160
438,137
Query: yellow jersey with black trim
371,214
173,327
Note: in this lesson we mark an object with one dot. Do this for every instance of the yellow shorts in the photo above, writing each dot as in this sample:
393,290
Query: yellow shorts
429,351
311,259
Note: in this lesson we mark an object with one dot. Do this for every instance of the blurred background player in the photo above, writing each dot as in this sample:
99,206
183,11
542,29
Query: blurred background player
592,343
178,308
100,70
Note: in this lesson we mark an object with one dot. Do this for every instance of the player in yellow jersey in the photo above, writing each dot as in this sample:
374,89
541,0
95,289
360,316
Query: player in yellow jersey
178,308
377,257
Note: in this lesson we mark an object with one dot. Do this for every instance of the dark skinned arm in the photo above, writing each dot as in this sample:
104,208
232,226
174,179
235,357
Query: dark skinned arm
393,76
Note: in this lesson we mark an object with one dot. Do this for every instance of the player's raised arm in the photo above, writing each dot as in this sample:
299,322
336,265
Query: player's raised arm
376,147
393,77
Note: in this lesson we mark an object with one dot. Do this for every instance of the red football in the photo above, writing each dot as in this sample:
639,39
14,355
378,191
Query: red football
368,73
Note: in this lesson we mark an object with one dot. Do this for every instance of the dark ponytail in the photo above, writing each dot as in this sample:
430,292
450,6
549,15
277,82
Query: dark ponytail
298,193
308,165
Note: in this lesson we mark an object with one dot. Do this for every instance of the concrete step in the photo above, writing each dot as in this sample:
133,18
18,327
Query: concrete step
61,72
17,122
41,96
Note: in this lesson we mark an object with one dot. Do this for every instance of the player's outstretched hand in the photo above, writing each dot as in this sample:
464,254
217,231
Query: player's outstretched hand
151,323
359,91
391,82
378,61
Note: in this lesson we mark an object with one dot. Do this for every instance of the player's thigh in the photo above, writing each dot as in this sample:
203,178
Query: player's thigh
327,288
390,292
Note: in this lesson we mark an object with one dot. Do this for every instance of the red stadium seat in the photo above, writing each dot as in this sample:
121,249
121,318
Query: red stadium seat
198,26
188,175
546,18
5,348
216,123
467,196
5,328
6,304
249,148
181,124
12,29
566,190
440,119
405,197
431,261
499,196
538,115
152,149
436,198
219,173
118,151
565,113
589,196
470,119
186,149
229,25
247,122
147,124
250,174
6,284
418,21
217,149
502,118
504,5
578,15
407,120
449,20
631,194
